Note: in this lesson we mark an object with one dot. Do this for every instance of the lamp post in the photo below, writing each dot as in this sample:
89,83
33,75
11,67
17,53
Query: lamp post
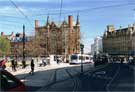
81,47
23,61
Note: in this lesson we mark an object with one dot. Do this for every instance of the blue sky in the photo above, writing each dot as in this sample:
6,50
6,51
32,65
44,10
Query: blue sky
94,15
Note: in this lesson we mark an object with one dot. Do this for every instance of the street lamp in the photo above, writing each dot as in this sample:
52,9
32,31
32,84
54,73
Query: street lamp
23,61
82,47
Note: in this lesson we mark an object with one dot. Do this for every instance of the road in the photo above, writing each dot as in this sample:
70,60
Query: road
114,77
111,77
46,77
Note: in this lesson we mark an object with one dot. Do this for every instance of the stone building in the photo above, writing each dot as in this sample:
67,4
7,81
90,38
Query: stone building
16,43
97,47
118,42
60,39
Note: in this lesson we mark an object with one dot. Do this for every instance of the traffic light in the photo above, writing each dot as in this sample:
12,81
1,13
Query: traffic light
82,48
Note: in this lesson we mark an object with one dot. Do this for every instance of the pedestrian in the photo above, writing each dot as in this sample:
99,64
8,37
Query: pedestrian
58,61
13,65
40,62
32,66
3,64
44,61
23,63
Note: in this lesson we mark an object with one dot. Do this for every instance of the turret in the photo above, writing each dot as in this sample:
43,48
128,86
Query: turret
110,28
36,24
78,21
48,21
64,22
129,28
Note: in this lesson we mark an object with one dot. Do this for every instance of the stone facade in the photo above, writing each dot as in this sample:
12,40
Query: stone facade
118,42
16,44
58,39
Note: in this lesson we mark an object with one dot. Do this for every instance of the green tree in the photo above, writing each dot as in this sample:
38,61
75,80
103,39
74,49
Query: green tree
4,46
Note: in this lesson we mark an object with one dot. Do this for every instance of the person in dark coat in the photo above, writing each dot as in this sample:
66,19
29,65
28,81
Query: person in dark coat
32,66
13,65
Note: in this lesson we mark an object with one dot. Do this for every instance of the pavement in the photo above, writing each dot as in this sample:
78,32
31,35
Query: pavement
47,75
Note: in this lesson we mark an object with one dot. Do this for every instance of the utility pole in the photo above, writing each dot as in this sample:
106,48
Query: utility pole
82,47
23,61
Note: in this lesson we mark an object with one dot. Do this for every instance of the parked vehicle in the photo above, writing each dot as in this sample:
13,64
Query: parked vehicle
9,82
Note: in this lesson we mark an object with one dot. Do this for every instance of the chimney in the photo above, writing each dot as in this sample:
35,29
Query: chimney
36,24
70,21
2,33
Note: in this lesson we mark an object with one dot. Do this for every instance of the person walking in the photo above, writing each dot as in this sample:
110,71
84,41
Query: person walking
58,61
32,66
13,65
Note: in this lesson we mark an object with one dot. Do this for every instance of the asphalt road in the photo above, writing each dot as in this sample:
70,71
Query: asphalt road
111,77
114,77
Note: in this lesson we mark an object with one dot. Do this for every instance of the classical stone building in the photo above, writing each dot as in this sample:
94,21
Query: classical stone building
120,41
60,39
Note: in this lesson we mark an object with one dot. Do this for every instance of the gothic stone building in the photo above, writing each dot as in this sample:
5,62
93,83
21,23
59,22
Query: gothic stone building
119,42
61,39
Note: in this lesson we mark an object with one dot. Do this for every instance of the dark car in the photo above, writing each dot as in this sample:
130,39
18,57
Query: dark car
9,82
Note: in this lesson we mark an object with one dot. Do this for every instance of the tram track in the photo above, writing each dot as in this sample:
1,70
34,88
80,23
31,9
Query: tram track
51,81
76,81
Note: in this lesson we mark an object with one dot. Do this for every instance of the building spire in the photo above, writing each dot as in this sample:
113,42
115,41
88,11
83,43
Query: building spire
65,19
48,20
78,20
65,22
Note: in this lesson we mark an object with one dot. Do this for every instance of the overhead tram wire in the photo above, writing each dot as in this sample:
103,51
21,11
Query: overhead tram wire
90,9
25,16
11,16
